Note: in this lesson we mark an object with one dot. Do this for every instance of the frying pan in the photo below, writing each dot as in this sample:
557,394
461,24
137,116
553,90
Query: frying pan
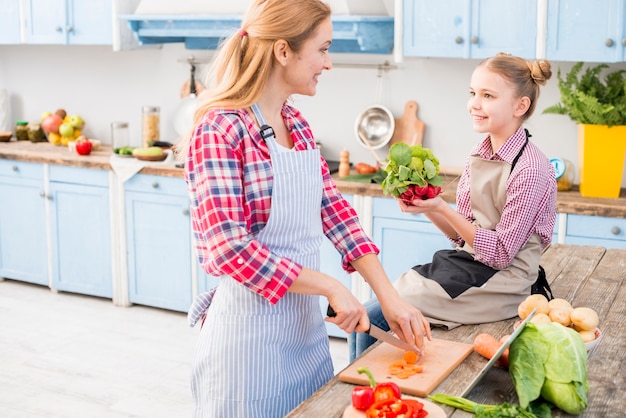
184,112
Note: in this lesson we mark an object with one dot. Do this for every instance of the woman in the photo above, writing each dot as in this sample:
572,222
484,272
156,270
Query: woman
506,210
262,200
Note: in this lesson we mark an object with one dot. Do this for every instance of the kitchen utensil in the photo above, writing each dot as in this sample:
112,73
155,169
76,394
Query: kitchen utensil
497,355
184,112
409,129
439,359
434,410
379,334
374,127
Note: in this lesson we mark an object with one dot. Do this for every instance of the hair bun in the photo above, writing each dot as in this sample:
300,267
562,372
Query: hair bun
540,71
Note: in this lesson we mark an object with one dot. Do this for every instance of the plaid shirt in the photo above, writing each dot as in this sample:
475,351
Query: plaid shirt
229,175
530,205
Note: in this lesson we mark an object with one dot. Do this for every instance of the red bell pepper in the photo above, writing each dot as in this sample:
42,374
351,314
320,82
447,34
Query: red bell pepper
362,397
382,391
392,408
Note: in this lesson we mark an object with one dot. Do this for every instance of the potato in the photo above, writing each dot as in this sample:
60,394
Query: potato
562,316
541,318
531,302
585,319
558,303
587,336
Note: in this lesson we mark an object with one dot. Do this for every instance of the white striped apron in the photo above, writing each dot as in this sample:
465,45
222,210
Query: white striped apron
254,359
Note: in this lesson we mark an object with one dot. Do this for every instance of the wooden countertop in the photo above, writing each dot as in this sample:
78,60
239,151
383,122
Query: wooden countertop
584,275
567,202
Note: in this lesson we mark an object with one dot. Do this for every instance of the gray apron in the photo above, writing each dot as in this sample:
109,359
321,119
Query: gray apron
455,289
254,359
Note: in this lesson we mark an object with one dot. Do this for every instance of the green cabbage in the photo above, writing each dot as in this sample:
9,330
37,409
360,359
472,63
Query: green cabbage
550,360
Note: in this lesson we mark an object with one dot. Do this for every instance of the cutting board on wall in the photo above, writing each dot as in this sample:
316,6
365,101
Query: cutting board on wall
408,128
440,359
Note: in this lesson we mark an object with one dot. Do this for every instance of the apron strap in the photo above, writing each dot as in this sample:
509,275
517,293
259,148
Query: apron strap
266,130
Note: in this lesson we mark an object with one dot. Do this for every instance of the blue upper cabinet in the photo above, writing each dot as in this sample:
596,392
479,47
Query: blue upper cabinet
10,22
67,22
469,28
583,30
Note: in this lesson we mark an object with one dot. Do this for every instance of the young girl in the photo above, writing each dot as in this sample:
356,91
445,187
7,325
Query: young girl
505,215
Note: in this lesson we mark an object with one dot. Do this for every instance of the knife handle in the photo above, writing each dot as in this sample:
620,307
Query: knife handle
331,312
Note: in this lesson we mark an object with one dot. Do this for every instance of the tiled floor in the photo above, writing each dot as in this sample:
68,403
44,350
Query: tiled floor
64,355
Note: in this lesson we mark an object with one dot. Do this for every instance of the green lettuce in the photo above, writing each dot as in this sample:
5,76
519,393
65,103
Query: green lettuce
550,361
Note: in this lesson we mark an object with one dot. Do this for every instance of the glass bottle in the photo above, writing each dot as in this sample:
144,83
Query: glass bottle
120,136
21,130
150,125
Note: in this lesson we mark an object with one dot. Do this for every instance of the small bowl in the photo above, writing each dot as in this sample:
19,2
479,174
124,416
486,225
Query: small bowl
6,136
592,344
374,127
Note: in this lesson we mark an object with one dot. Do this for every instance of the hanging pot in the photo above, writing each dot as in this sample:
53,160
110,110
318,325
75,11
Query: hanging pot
184,112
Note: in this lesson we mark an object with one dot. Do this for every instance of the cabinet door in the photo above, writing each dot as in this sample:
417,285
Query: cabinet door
9,22
23,237
80,227
404,240
69,22
159,243
596,230
582,30
469,28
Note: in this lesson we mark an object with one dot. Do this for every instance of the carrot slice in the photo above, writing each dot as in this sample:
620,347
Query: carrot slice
410,357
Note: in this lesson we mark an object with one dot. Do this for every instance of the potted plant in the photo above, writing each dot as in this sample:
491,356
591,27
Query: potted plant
598,105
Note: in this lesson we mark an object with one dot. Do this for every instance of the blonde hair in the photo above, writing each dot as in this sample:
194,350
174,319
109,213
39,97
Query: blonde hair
242,65
526,76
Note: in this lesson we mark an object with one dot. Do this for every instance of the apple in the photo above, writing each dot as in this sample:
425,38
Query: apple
52,123
45,115
65,129
76,121
84,147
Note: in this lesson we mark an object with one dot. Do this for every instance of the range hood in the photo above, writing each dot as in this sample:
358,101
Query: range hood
359,26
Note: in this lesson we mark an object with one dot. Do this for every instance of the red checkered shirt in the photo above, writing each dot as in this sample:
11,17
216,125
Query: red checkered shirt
530,205
229,175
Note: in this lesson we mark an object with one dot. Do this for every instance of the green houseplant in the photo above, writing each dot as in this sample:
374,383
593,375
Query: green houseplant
598,105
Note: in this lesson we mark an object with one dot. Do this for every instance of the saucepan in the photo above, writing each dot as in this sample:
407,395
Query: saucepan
184,112
374,127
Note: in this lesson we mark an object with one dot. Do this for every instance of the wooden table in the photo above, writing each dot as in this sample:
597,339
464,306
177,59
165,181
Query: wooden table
584,275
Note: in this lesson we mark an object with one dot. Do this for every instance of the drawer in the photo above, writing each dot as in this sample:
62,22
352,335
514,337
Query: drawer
596,227
83,176
21,170
157,184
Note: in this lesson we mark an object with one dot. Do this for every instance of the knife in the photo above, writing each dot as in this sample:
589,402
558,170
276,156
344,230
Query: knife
381,335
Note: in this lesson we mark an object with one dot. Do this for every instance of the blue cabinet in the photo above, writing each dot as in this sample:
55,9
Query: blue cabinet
582,30
158,237
596,230
80,225
405,240
23,238
68,22
10,22
469,28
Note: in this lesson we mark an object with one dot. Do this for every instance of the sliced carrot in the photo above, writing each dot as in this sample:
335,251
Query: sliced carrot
410,357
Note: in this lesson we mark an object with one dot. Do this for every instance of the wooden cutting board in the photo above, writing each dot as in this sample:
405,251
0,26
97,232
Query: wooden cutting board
440,358
408,128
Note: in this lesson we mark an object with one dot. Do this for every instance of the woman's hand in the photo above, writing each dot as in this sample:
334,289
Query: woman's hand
406,321
350,313
422,206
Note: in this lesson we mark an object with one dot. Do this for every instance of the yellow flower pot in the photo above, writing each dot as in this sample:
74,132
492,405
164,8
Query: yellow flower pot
601,153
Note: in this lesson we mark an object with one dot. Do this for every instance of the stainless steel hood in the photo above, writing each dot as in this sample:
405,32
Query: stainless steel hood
202,24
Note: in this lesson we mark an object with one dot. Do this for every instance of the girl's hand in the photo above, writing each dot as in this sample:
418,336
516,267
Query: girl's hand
406,321
421,206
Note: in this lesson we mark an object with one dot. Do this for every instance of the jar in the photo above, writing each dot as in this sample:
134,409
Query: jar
35,133
150,124
120,136
564,173
21,130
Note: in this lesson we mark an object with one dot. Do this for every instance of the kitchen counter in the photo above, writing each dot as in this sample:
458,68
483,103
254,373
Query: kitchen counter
567,202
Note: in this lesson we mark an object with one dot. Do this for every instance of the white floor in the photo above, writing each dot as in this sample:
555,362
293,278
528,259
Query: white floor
64,355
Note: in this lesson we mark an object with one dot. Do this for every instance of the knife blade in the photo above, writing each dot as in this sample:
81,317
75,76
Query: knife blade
381,335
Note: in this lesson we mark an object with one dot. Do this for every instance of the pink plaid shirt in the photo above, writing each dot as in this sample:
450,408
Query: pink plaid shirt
229,175
530,203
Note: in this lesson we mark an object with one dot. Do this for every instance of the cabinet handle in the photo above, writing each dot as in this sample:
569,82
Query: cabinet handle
186,212
624,41
616,230
49,196
59,29
69,29
15,168
42,193
474,40
609,42
458,40
155,185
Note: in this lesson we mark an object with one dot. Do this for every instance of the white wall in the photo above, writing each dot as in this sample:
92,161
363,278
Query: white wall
105,86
